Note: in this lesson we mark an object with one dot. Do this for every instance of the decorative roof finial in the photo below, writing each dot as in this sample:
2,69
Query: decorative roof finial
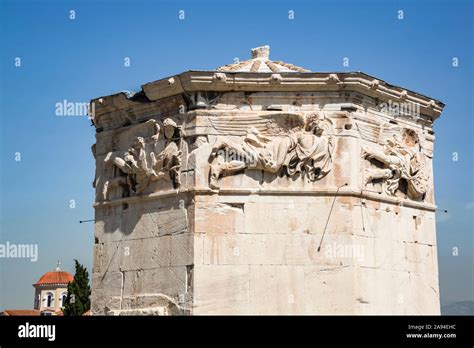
57,269
259,63
261,52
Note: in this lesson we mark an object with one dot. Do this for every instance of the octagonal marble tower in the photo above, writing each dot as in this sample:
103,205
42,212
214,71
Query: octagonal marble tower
264,188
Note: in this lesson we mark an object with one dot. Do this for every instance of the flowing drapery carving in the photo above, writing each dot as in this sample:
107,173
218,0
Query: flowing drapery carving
399,165
293,145
148,159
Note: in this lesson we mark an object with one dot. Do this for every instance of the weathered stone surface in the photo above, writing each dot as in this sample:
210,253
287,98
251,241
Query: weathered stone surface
107,293
219,218
182,250
133,254
167,281
142,223
329,290
382,291
260,189
277,289
221,289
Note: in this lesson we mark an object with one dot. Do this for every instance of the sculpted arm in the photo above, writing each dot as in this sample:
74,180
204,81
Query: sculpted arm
388,160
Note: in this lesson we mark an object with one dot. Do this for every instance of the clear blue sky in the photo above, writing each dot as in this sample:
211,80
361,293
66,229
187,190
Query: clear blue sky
83,58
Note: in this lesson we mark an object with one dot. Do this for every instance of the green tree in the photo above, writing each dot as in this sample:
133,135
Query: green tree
78,292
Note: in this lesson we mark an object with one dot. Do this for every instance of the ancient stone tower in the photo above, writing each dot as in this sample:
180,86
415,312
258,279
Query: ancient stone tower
264,188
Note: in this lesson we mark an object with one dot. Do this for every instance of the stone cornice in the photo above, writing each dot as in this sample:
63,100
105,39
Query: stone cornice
214,81
347,192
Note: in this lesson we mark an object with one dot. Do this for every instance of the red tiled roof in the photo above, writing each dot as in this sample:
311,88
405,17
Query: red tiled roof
55,277
22,312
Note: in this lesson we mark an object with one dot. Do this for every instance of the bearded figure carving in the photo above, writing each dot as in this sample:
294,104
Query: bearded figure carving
400,160
296,146
154,158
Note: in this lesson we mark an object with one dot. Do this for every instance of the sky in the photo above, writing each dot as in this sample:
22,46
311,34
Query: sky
46,166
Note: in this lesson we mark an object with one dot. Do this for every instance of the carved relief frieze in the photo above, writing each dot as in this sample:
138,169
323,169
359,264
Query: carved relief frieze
297,145
288,144
396,158
146,160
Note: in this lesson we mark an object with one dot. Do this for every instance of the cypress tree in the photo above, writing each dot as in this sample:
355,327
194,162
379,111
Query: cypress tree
78,292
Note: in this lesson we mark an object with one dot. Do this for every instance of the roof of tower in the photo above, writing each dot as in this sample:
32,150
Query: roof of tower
261,63
258,74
